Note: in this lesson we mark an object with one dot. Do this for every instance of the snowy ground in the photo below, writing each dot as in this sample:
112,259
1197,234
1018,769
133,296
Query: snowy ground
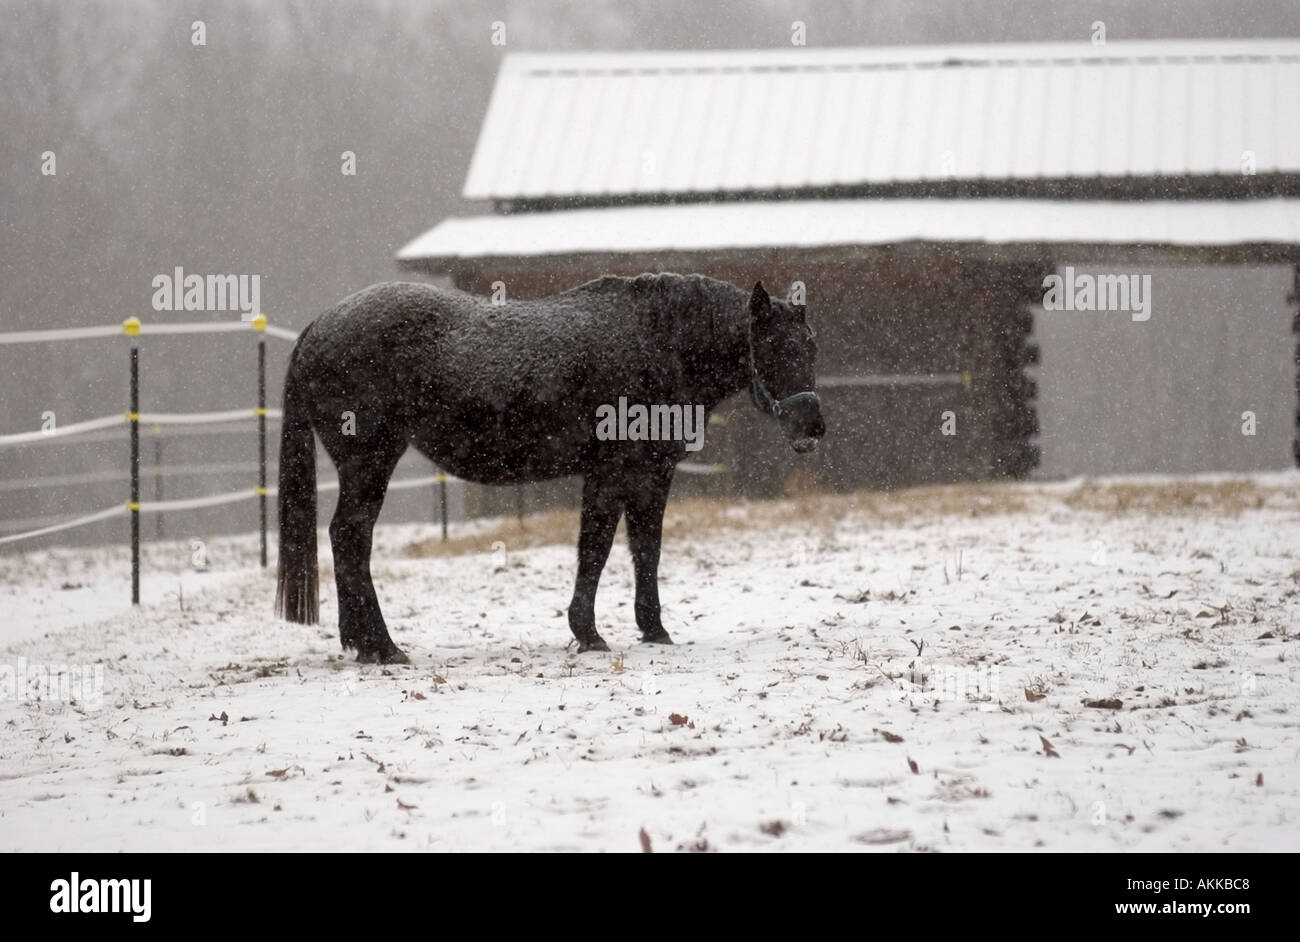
794,713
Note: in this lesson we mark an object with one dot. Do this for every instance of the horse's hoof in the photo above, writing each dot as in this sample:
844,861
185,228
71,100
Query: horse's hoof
394,656
660,637
596,643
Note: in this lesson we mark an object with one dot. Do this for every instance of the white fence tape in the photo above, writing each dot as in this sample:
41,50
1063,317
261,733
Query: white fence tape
216,500
146,418
66,333
147,473
258,325
202,418
206,327
119,435
67,524
193,503
77,428
281,332
116,330
893,379
406,483
690,468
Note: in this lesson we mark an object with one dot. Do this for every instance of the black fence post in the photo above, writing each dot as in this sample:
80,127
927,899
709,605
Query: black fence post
132,329
157,479
259,324
442,502
1294,298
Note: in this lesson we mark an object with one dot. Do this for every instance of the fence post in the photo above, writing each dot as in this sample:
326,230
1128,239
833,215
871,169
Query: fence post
442,500
157,479
131,326
259,324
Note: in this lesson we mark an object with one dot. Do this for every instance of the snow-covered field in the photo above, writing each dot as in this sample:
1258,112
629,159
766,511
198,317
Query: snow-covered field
1078,666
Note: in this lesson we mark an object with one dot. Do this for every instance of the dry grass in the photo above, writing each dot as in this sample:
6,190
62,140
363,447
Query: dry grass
544,529
698,516
1227,497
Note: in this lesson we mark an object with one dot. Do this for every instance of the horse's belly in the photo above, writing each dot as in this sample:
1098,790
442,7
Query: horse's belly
504,455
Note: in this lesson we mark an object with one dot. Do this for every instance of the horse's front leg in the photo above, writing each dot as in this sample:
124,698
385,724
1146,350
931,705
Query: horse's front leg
601,507
647,494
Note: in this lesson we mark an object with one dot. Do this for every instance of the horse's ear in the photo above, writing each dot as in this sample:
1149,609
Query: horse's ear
760,305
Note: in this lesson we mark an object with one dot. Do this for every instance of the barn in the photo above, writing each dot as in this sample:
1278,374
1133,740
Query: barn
1031,259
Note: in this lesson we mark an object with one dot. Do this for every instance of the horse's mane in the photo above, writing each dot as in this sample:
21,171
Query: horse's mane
685,311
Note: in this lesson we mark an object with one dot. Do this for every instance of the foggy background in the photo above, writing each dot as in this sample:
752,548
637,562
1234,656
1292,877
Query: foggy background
226,159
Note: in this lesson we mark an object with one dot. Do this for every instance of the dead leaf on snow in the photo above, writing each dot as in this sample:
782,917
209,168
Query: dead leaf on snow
883,836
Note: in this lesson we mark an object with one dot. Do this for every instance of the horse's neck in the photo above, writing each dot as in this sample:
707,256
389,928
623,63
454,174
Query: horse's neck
719,366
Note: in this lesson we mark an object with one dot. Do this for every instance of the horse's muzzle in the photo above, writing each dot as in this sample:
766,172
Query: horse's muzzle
801,418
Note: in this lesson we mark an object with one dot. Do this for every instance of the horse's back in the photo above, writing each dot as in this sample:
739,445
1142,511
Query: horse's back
384,310
611,314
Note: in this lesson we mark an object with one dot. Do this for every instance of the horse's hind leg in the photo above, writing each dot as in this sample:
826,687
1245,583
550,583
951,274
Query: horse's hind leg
647,496
601,507
363,481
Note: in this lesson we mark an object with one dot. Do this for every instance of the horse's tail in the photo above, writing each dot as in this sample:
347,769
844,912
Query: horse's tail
297,593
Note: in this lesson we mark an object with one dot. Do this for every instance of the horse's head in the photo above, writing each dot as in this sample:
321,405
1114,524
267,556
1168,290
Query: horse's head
783,359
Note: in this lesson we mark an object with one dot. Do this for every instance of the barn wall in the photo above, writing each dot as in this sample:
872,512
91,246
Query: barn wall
1166,395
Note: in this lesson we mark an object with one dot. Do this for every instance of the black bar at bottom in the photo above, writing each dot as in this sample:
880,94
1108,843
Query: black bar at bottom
975,894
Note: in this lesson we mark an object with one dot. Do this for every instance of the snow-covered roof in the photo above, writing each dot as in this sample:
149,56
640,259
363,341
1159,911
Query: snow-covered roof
692,227
584,125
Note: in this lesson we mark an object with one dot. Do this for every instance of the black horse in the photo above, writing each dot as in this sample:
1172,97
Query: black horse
509,393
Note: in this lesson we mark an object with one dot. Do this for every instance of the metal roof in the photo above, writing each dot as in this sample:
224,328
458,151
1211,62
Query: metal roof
694,227
584,125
